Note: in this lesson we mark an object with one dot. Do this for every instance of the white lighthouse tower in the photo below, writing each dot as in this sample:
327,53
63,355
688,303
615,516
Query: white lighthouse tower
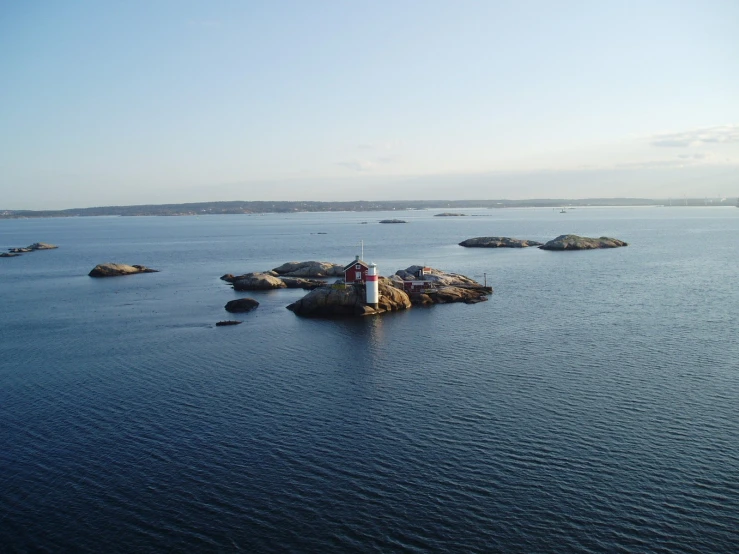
373,292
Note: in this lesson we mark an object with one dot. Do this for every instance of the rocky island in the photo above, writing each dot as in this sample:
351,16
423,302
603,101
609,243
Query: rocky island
241,305
414,286
13,252
575,242
498,242
117,270
291,275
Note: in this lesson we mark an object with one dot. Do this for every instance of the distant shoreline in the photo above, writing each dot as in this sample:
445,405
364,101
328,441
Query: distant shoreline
264,207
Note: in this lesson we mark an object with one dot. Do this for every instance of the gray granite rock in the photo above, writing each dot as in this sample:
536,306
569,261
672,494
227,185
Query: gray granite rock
498,242
310,269
241,305
117,270
575,242
349,300
257,281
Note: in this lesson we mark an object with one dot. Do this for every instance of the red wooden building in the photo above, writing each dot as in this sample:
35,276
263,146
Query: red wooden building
420,284
356,272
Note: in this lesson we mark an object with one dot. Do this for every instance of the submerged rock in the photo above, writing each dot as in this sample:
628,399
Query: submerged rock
229,322
241,305
116,270
257,281
450,214
310,269
8,254
498,242
393,221
575,242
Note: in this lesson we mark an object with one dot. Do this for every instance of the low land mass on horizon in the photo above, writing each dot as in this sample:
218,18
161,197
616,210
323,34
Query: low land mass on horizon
260,207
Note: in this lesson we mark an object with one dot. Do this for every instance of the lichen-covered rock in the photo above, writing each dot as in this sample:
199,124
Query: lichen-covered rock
575,242
349,300
310,269
498,242
447,295
391,298
32,247
437,277
117,270
421,299
241,305
397,281
300,283
257,281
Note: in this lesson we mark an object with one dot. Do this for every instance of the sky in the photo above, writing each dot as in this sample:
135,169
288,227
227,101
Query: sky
138,102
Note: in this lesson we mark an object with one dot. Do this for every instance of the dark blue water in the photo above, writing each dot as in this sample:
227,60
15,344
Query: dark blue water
591,405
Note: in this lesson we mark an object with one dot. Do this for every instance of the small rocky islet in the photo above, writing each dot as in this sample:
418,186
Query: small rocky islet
562,242
13,252
575,242
241,305
498,242
118,270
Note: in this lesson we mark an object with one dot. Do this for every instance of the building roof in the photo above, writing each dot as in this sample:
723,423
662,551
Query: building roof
355,262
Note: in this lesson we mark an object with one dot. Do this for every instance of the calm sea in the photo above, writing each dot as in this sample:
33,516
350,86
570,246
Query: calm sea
592,405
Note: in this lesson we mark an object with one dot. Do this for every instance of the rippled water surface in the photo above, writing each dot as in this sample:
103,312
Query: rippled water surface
591,405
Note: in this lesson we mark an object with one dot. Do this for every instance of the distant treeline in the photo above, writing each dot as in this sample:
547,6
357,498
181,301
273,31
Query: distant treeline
261,207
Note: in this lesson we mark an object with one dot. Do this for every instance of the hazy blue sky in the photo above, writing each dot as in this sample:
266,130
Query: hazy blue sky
171,101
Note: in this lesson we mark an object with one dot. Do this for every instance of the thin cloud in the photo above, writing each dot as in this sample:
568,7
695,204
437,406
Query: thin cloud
720,134
651,164
358,165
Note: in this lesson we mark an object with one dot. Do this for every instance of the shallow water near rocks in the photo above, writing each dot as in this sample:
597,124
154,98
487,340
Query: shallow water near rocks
592,404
